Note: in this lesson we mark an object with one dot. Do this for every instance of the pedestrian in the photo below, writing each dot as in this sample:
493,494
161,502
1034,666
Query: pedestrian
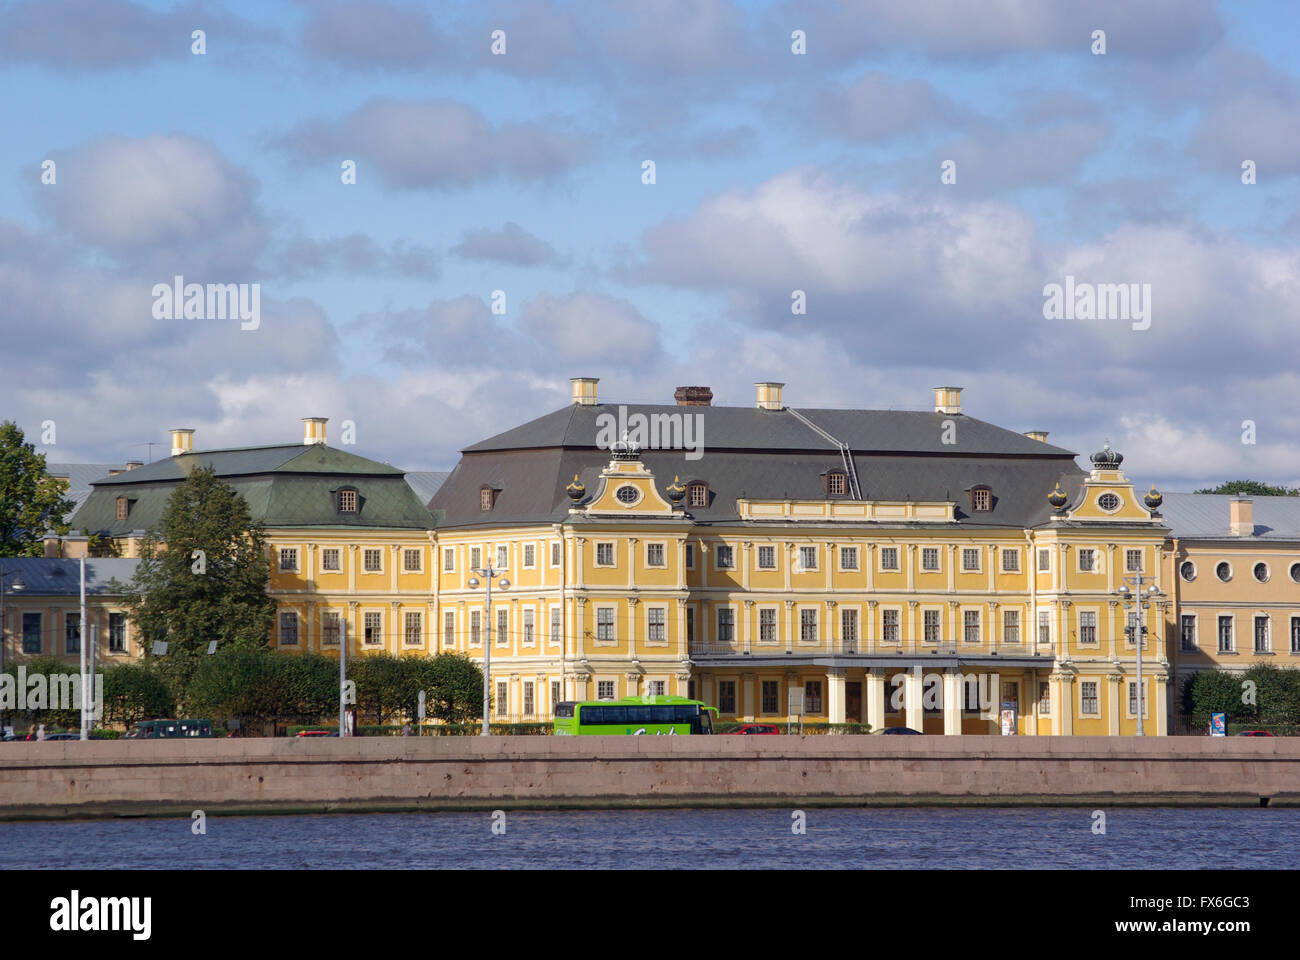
406,729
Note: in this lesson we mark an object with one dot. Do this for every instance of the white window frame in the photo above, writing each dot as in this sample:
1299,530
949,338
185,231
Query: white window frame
649,633
1096,626
419,559
366,570
1129,553
294,567
776,625
1218,632
938,560
718,610
498,633
1196,633
1268,633
1130,699
758,556
338,552
1045,619
966,553
446,642
502,551
448,554
897,566
1013,612
1078,559
474,614
849,551
938,611
663,555
816,624
297,632
1096,684
600,689
718,550
1044,553
613,625
557,552
383,627
979,625
884,627
528,626
406,628
555,620
1012,554
613,553
529,556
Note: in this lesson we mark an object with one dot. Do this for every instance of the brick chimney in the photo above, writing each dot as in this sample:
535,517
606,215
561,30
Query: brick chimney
182,441
584,390
693,396
947,399
769,396
1241,517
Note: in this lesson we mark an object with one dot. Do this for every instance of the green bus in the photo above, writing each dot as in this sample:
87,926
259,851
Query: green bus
169,729
634,716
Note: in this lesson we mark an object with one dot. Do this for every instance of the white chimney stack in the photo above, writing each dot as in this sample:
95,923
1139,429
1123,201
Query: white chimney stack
182,441
947,399
1039,435
769,395
1241,517
584,390
313,429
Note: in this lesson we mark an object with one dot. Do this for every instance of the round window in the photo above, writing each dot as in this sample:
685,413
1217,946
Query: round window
1261,572
627,494
1295,572
1223,571
1108,502
1188,570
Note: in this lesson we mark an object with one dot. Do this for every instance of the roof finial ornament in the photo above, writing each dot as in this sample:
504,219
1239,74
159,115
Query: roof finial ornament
576,489
624,449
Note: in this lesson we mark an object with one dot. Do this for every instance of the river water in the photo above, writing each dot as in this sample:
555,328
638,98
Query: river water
936,838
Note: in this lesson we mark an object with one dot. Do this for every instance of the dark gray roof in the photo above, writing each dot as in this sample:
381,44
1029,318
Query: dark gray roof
749,428
44,576
247,461
1204,516
81,475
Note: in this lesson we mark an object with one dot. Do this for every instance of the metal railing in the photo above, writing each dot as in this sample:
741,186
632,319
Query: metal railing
864,647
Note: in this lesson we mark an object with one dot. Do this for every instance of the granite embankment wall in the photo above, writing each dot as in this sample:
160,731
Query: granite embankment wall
124,778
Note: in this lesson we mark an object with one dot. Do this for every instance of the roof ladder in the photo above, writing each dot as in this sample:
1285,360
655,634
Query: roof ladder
846,455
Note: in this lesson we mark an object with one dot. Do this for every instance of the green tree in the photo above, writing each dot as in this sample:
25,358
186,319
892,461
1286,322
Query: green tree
384,686
31,501
133,692
1252,488
188,598
456,692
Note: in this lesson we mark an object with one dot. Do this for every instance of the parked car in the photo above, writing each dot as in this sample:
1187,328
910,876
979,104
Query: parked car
64,736
765,728
1252,733
317,733
899,730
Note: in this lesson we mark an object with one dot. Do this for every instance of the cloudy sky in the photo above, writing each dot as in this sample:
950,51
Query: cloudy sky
774,172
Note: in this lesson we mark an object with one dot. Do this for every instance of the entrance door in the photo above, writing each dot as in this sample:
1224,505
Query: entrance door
853,702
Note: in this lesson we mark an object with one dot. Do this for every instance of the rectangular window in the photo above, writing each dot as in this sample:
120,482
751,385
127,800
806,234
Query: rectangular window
530,555
288,629
476,628
530,627
1044,559
654,555
808,558
1044,697
889,558
727,696
849,626
658,688
1010,561
475,558
449,628
1187,632
930,559
931,623
529,705
555,625
690,625
808,625
330,628
1044,626
555,554
725,557
372,560
889,626
31,632
726,625
1133,561
288,559
413,635
556,694
411,561
1088,628
836,484
1131,628
848,558
605,623
699,495
767,558
771,696
1011,626
1263,643
374,624
971,626
117,633
503,557
449,559
604,554
347,501
1295,634
690,556
72,633
503,699
503,627
767,625
330,559
1088,698
604,689
970,560
1087,560
812,696
655,618
1133,699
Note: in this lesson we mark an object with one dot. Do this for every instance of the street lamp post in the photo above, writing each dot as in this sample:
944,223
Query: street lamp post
487,572
1136,598
17,587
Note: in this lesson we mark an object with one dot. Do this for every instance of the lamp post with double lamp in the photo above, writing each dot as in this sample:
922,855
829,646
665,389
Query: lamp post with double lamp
487,572
1138,593
17,586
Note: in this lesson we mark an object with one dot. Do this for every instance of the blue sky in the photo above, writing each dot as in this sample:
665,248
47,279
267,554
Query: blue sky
774,172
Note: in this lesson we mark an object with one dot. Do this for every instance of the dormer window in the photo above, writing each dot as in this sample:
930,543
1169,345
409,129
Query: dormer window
981,499
487,497
698,494
348,500
837,483
123,507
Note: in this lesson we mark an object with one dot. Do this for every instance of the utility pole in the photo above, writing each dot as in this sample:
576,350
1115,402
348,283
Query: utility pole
487,572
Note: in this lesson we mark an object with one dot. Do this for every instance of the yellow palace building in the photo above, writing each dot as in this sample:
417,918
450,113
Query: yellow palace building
896,568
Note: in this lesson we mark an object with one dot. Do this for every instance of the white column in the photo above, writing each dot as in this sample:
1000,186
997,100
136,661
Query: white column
952,702
912,692
876,693
835,694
